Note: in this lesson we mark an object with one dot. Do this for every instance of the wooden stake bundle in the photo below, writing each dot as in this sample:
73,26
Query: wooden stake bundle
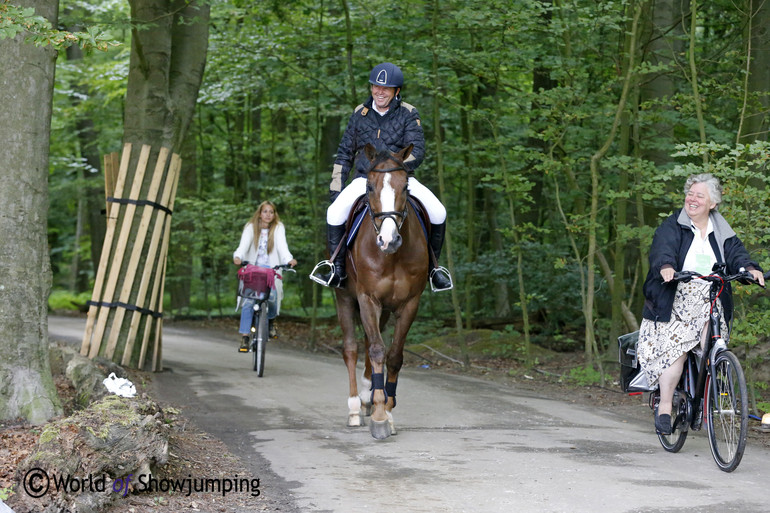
136,254
153,264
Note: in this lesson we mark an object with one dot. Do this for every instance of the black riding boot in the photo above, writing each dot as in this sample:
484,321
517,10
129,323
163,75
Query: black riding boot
439,276
335,278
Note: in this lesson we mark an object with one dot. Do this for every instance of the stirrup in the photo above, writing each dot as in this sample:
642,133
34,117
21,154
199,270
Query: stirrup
322,263
445,272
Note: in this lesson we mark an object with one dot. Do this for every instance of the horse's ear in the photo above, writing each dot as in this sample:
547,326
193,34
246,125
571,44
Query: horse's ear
404,154
370,151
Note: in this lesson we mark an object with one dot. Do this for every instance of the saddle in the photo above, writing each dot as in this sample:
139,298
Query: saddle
361,208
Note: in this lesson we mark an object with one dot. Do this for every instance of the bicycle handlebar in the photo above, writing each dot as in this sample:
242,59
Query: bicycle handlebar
717,276
285,267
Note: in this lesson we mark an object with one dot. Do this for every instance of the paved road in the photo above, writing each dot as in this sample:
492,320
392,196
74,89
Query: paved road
463,444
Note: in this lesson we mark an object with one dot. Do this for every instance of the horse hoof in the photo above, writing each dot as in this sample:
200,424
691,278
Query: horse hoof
392,425
367,409
380,430
354,420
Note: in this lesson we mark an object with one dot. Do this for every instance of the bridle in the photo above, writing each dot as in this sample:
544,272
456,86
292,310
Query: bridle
391,214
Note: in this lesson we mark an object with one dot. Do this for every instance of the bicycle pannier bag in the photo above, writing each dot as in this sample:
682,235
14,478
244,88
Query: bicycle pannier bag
631,377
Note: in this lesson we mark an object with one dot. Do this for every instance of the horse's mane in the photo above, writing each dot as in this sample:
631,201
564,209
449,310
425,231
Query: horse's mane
381,156
384,155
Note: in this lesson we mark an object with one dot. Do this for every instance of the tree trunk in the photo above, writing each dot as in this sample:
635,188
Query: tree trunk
661,31
91,196
754,122
26,91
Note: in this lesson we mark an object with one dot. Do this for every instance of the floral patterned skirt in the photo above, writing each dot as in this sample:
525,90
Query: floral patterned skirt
662,343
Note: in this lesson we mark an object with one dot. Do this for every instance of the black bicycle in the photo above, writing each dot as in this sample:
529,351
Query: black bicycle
712,389
256,283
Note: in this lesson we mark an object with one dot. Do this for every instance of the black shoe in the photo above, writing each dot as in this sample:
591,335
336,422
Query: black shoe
662,423
271,328
332,279
244,344
439,276
440,279
337,280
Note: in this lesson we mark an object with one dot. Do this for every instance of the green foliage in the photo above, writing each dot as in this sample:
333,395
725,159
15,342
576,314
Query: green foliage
6,493
585,376
424,329
508,343
63,300
37,30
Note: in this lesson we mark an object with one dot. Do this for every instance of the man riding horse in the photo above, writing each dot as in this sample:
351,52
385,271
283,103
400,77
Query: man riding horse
386,122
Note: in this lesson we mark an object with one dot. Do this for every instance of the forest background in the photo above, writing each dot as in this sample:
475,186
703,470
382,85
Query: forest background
559,133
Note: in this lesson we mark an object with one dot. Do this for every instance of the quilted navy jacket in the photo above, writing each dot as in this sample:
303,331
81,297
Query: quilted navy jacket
396,130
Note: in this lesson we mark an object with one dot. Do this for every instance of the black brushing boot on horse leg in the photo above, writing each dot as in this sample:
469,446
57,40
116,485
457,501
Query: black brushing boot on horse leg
440,279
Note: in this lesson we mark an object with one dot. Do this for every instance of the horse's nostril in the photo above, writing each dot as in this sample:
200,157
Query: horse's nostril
380,242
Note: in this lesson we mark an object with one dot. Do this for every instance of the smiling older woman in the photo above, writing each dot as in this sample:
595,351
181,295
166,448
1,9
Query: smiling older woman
674,317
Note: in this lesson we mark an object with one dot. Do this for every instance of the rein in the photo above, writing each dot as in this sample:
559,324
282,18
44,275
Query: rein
390,214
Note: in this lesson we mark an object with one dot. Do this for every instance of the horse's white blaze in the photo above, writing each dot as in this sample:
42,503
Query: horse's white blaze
389,230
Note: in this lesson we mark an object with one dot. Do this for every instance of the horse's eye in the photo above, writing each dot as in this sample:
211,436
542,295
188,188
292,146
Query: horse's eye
369,187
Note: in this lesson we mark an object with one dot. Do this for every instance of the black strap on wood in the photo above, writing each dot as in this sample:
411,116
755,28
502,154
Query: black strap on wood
133,308
126,201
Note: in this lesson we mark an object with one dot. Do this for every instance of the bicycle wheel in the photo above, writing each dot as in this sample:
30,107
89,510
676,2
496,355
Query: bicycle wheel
681,414
260,343
728,411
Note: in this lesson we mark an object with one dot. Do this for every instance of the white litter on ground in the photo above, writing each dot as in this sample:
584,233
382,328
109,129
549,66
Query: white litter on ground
119,386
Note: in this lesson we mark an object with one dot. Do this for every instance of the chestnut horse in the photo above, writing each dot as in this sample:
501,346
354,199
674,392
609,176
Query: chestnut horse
387,268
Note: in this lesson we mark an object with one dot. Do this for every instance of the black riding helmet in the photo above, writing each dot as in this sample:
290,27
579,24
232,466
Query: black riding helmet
386,74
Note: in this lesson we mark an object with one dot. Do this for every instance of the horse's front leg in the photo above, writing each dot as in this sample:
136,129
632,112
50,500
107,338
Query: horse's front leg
345,312
365,391
395,360
370,319
366,379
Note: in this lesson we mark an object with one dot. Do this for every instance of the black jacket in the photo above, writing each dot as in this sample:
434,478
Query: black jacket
670,244
394,131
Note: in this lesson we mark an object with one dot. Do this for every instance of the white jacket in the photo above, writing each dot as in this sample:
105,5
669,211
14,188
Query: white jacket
247,250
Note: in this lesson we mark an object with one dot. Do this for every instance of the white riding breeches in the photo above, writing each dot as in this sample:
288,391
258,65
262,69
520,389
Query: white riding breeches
338,212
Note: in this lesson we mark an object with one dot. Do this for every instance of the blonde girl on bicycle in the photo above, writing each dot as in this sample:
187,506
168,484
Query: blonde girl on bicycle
263,243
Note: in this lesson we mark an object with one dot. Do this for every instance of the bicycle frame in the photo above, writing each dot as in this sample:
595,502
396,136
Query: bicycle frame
696,375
